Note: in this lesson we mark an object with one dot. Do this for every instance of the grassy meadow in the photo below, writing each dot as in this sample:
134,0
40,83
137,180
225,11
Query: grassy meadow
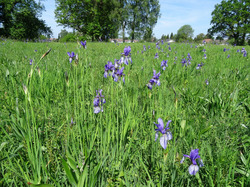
50,135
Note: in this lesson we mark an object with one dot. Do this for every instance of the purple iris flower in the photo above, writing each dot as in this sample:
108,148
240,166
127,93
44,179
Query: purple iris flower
238,51
144,48
169,48
154,80
199,66
166,134
162,42
84,44
224,49
119,74
71,56
109,67
164,64
194,155
243,50
156,55
206,81
204,50
228,56
98,101
205,56
126,56
31,61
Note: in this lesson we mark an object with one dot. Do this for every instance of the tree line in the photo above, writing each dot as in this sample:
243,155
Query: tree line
105,19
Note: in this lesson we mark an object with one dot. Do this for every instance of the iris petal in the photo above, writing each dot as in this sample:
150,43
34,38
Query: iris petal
164,141
193,169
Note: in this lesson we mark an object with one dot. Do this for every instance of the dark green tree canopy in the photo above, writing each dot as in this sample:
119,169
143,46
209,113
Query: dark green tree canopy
184,33
20,19
104,18
231,18
93,18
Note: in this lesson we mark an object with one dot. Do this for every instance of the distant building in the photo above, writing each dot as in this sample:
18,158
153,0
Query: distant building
119,40
208,40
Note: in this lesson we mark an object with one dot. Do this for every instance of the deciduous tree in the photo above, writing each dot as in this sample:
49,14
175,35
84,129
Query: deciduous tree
20,19
231,18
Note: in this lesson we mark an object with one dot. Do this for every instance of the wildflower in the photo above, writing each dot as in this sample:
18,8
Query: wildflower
204,50
118,75
84,44
156,55
109,67
164,64
199,66
166,134
169,48
224,50
71,56
205,56
244,52
98,101
126,56
193,168
206,81
204,42
154,80
31,61
228,56
162,42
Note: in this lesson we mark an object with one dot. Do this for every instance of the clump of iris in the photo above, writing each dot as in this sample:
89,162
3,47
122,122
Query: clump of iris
98,101
126,55
118,75
109,68
155,80
166,134
156,55
193,156
164,64
199,65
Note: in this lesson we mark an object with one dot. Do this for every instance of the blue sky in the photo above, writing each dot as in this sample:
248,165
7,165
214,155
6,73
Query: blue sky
174,14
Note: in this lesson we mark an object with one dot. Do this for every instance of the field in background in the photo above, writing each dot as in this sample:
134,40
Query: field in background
50,134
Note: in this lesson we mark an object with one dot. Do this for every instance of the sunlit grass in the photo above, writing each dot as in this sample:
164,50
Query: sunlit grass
40,145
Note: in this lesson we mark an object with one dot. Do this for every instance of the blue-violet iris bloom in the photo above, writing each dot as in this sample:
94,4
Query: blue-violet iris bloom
71,56
194,155
126,56
164,64
84,44
109,67
166,134
98,101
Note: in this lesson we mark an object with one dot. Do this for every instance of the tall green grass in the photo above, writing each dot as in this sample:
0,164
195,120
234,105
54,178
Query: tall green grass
39,145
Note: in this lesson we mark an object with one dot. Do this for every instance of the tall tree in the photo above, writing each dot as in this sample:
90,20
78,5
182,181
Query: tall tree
97,19
184,33
143,15
171,35
20,19
231,18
